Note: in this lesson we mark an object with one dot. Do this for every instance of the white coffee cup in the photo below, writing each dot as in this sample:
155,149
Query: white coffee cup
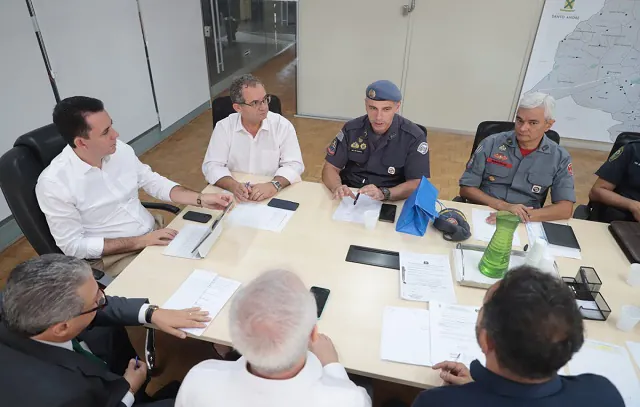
634,275
628,318
371,219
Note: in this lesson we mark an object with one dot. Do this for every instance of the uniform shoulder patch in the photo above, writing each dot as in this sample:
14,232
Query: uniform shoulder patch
331,150
423,148
570,169
617,154
340,136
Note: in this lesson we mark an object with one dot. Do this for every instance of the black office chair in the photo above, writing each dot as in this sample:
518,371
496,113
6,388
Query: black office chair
20,168
593,210
486,129
222,107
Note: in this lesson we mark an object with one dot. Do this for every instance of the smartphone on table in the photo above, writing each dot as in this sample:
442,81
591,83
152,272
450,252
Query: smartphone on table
197,217
321,295
387,213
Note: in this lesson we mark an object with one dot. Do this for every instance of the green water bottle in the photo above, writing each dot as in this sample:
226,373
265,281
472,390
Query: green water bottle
495,260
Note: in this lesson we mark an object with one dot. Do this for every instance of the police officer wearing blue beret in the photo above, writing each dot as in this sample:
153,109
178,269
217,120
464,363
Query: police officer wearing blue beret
382,153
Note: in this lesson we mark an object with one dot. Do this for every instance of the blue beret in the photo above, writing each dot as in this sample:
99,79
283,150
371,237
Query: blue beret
453,224
384,90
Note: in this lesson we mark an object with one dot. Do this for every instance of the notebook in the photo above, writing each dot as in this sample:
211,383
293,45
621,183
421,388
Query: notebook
560,235
627,234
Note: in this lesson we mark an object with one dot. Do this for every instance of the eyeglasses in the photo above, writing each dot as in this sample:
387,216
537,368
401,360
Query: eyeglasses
100,304
256,103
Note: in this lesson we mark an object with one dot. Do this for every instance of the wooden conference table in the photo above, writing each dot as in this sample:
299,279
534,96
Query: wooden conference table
314,246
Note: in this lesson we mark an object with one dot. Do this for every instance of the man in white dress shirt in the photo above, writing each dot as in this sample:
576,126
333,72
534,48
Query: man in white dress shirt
253,141
89,192
286,362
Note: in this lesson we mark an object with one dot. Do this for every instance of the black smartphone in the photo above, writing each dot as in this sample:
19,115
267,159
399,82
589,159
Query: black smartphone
387,213
197,217
321,294
282,204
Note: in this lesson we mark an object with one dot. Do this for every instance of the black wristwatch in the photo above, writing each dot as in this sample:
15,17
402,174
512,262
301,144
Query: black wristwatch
386,193
149,313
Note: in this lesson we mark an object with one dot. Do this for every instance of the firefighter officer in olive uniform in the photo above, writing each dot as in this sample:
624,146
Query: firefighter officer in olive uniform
512,171
382,154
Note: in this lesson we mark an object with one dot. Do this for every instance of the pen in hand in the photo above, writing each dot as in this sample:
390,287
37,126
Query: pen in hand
358,195
137,364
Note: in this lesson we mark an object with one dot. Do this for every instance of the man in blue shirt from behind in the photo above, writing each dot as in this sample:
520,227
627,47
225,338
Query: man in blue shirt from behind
528,328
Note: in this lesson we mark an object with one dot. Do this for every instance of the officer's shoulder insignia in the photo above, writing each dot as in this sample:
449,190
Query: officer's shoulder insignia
617,154
570,169
479,149
340,136
331,150
423,148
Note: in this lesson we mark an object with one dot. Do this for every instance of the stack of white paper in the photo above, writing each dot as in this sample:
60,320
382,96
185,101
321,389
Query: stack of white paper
536,231
426,277
348,212
612,362
453,333
405,336
193,241
634,348
260,216
483,231
204,289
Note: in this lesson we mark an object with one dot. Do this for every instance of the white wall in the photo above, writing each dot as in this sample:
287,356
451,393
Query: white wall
26,97
457,62
175,41
96,49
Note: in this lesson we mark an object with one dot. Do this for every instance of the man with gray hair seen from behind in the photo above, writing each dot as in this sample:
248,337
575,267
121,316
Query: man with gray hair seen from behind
512,171
254,141
285,362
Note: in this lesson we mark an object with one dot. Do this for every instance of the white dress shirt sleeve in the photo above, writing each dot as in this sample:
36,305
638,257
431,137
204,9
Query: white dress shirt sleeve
153,183
336,370
291,165
216,159
65,222
128,399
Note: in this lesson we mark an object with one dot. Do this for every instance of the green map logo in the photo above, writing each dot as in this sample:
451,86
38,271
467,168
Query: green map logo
569,5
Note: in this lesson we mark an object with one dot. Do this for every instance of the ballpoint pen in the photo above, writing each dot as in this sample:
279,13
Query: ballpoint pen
358,195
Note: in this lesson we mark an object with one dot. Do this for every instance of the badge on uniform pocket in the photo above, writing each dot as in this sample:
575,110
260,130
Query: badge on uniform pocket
391,170
355,145
536,189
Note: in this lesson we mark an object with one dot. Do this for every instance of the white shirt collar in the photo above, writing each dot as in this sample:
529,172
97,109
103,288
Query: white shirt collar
311,372
264,126
80,166
65,345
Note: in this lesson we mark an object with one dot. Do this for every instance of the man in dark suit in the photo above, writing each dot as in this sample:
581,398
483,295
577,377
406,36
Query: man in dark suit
62,341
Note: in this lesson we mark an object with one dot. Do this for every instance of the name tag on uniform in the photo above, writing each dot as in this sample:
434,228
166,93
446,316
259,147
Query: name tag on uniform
492,160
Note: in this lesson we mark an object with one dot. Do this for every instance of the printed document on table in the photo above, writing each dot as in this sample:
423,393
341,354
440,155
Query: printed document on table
535,231
453,333
426,277
405,336
483,231
259,216
634,348
611,361
348,212
204,289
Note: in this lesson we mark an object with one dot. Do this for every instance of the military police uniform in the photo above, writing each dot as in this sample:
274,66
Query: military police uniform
623,170
387,160
499,169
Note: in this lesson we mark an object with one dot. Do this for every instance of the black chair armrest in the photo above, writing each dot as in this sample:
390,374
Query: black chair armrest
582,212
161,206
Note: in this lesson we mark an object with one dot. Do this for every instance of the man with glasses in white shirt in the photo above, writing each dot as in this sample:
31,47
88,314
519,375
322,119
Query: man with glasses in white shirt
254,141
89,192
